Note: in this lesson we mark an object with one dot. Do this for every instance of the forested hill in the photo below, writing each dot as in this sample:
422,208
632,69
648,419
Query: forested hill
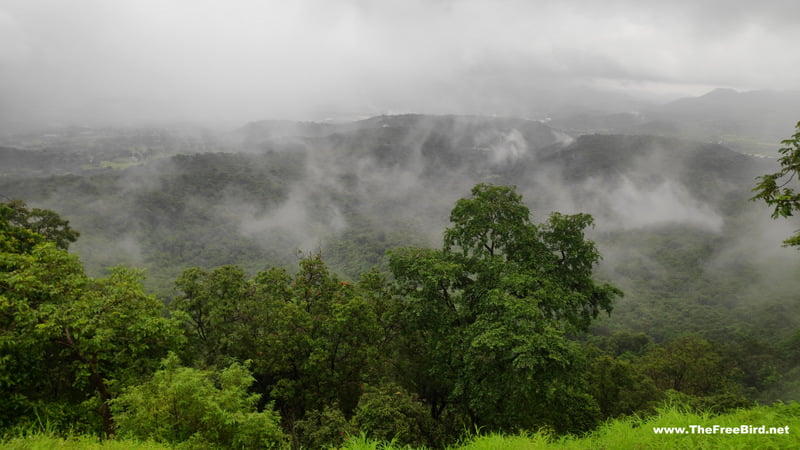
171,198
180,197
750,122
445,143
467,129
709,171
599,155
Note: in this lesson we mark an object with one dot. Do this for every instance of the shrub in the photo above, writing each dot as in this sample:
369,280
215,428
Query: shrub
323,429
391,414
196,408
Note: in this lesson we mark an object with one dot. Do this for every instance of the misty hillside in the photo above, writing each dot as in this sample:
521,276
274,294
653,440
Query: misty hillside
672,217
761,114
710,172
598,155
455,141
271,188
752,122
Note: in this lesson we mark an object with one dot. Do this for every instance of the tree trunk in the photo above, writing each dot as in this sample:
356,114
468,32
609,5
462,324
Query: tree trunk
97,381
105,397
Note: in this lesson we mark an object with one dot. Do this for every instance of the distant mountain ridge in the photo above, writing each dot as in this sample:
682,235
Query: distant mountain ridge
749,122
762,114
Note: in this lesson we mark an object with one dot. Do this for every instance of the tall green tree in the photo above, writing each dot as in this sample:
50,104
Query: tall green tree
690,365
490,314
34,287
19,225
67,341
313,339
777,189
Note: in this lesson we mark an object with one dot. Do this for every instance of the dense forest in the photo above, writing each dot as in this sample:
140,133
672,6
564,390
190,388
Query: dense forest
404,278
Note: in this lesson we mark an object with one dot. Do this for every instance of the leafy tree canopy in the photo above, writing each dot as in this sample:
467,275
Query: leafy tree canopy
492,311
313,339
776,188
19,226
65,337
198,409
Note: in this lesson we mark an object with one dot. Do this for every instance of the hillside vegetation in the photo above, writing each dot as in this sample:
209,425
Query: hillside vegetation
618,433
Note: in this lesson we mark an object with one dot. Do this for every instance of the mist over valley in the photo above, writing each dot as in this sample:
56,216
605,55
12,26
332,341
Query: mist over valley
673,220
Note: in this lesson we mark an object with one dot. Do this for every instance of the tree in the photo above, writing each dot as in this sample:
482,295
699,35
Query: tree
620,387
18,220
66,338
216,309
313,339
113,333
387,413
688,370
490,314
775,188
33,287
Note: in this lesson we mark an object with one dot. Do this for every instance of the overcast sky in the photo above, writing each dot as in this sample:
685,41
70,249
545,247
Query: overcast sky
240,60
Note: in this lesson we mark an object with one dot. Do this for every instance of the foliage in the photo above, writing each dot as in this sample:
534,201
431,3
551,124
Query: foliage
69,340
20,223
81,336
214,309
323,429
388,413
313,339
467,333
201,409
490,313
116,333
631,432
690,365
775,189
33,289
79,442
620,387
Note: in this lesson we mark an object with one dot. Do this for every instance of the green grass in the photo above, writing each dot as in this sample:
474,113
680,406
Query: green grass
637,433
45,442
631,433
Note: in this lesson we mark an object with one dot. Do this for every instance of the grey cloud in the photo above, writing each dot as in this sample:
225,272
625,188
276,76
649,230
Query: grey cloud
244,60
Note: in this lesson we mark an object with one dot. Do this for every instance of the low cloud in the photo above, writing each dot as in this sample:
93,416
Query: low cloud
244,60
302,221
630,206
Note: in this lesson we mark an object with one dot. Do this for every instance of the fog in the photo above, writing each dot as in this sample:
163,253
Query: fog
628,206
92,61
